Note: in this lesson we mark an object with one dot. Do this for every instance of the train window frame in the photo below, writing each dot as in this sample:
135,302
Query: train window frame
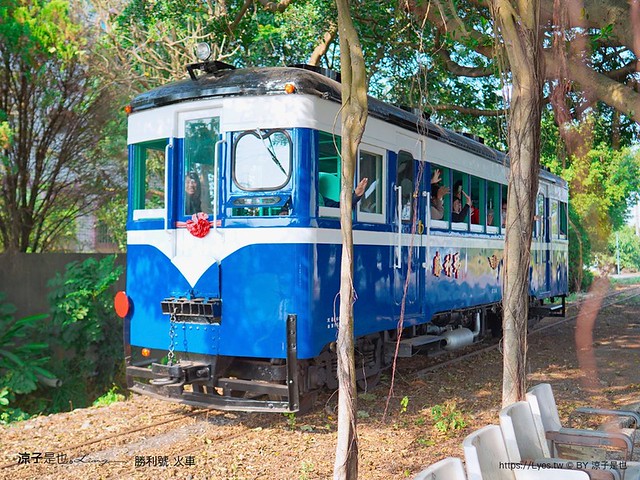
539,222
455,177
374,186
262,134
445,178
553,218
140,168
334,158
405,174
205,176
504,195
479,206
492,202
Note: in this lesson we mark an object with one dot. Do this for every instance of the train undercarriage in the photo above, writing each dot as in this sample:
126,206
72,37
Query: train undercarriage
291,384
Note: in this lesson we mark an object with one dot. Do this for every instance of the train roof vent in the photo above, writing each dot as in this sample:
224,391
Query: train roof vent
332,74
213,67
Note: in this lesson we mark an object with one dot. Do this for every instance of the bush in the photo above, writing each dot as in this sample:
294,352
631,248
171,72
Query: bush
88,333
580,278
628,245
22,361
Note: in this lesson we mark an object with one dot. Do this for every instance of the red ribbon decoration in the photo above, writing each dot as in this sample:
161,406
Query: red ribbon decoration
198,226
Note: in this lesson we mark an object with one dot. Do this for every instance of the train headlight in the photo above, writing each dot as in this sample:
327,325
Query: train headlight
145,352
290,87
203,51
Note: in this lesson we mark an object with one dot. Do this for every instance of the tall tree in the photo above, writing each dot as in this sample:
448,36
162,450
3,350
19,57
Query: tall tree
354,118
52,110
518,23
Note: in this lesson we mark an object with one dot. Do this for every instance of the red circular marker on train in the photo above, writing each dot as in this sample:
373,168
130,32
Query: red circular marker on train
121,304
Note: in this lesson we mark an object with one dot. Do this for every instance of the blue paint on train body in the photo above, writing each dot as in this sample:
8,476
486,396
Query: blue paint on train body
262,283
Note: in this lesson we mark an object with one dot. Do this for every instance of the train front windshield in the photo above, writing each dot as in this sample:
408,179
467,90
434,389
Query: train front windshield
261,165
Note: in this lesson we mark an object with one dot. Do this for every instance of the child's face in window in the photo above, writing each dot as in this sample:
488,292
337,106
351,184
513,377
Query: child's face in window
457,206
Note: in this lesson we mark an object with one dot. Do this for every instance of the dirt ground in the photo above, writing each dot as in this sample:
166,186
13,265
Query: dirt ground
142,438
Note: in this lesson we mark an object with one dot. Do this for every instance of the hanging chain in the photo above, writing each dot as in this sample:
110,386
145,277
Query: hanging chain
172,336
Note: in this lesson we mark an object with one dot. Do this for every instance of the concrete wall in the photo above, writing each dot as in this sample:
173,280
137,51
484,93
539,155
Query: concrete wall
24,277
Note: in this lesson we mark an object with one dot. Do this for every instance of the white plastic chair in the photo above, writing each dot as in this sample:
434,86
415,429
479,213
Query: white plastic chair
486,458
545,413
525,443
450,468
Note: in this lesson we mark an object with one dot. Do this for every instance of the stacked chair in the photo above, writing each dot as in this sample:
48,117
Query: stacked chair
523,446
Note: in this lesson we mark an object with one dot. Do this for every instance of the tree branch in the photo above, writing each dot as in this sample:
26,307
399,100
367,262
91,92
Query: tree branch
323,46
460,70
280,6
619,96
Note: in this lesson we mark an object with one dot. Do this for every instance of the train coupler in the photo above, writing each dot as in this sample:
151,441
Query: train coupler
179,374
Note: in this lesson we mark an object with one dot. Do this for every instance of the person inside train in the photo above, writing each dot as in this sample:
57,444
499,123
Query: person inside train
437,196
193,193
458,211
503,216
490,217
357,195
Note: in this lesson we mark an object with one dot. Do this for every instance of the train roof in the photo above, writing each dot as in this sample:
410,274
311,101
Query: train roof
225,81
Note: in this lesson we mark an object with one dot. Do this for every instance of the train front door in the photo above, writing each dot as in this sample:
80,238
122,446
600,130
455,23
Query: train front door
196,194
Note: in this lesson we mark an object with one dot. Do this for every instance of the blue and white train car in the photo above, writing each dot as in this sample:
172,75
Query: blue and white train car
234,239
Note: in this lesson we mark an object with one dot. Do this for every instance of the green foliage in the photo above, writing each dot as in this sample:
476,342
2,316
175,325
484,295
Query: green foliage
291,420
447,417
22,360
628,245
86,329
603,182
404,403
580,277
112,396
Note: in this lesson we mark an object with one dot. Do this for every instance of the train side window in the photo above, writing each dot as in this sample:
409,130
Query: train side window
459,207
199,151
563,221
405,180
478,210
503,208
262,160
440,198
149,179
329,174
493,210
370,165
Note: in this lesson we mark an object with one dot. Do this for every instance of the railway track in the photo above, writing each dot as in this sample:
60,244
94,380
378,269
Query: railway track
74,450
612,298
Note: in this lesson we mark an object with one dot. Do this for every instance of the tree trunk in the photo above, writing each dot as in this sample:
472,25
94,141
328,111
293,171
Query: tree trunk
518,22
354,117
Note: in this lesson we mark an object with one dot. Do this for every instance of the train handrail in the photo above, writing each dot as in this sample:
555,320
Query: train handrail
216,176
166,182
398,259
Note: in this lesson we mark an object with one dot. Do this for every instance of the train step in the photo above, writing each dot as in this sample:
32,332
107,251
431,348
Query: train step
414,345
